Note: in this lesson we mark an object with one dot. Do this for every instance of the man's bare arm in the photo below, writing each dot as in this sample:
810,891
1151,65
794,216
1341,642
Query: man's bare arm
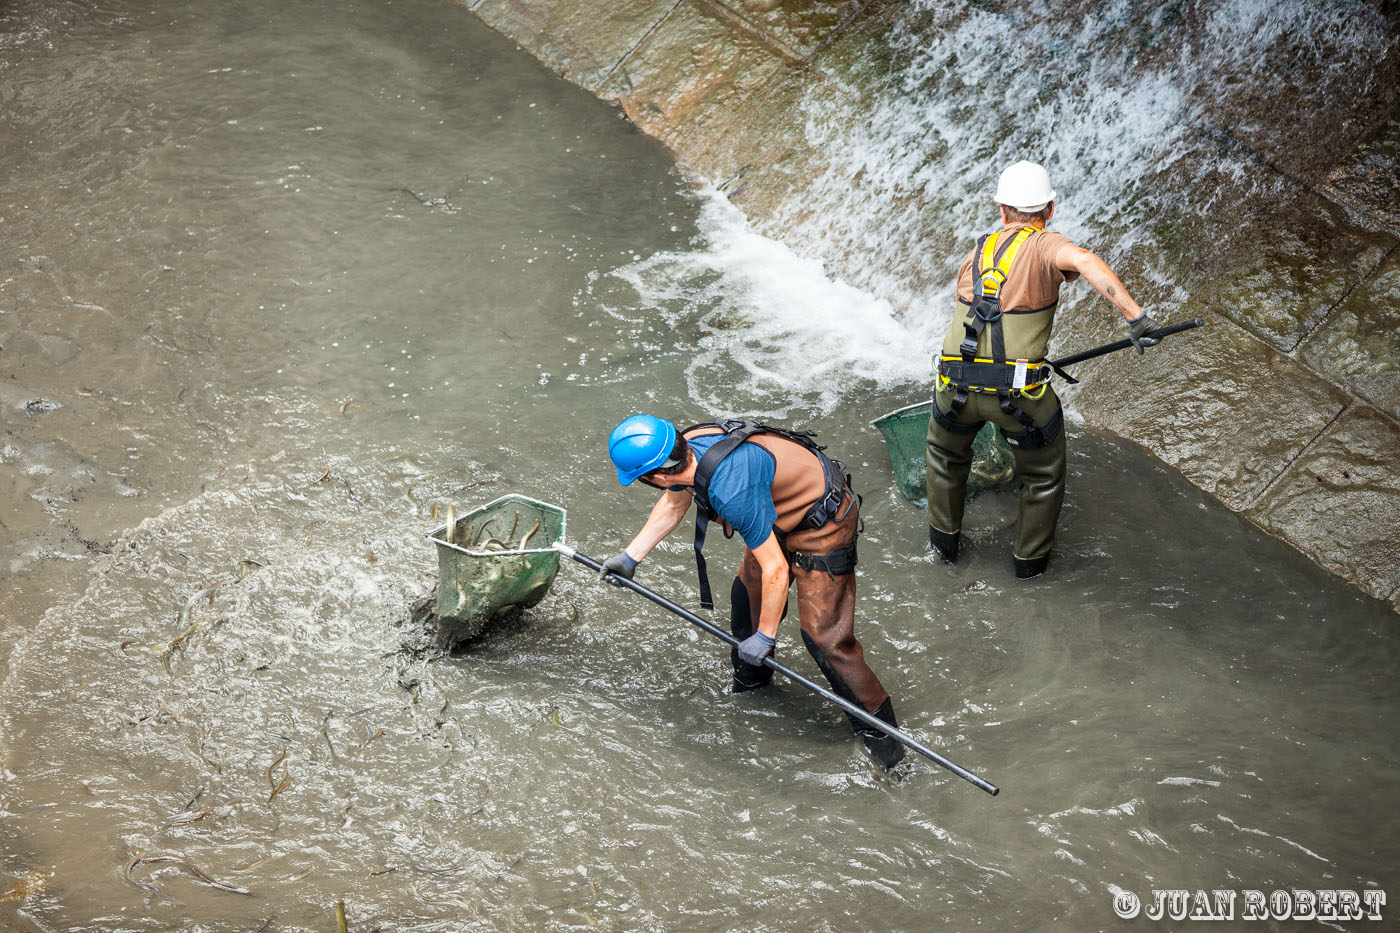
1071,258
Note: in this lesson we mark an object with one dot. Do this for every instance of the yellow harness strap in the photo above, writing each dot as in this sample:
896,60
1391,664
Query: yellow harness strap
988,276
994,271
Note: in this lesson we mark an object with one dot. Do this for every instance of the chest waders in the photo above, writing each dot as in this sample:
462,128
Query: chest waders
826,509
1007,379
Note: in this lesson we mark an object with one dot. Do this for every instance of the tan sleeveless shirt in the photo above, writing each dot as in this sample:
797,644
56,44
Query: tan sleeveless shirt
798,480
1028,298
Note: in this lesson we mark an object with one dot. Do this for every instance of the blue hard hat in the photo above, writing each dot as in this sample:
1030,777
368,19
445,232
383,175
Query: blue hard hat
639,445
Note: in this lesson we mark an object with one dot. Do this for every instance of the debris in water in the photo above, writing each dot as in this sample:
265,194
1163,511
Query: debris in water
175,644
27,886
326,732
976,586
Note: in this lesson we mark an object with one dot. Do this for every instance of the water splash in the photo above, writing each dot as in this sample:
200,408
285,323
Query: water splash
1124,106
798,336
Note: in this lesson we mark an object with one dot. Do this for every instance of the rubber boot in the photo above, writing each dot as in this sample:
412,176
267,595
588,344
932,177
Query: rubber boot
1027,567
741,626
884,748
944,543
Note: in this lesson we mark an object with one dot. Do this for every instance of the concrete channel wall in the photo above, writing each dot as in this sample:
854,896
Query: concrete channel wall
1286,408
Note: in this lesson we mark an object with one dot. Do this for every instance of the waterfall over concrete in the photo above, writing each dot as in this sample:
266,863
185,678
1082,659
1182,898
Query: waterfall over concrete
1232,159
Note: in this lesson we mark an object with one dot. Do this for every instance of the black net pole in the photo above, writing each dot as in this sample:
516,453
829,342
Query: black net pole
1124,344
848,707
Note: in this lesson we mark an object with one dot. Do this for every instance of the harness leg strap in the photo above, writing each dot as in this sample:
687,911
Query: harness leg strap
833,563
949,421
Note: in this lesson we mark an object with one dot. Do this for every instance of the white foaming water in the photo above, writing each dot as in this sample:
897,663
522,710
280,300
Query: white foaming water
1122,106
778,317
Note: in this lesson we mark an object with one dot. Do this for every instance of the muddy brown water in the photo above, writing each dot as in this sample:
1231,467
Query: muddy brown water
277,282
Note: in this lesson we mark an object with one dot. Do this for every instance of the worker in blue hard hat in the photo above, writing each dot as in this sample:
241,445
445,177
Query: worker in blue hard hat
993,368
798,518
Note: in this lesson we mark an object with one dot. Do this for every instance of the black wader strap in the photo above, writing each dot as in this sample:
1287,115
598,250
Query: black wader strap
737,433
985,375
948,420
1035,436
825,510
707,600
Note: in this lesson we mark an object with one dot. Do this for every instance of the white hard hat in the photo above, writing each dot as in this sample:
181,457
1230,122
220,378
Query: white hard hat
1025,186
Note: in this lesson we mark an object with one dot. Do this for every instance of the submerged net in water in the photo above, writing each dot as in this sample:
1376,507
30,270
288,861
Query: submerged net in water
905,432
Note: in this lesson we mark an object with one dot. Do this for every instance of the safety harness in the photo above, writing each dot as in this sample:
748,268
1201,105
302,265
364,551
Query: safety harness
826,509
997,375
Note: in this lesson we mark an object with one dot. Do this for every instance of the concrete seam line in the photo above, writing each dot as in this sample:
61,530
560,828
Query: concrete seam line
638,44
1269,487
733,19
1322,318
861,8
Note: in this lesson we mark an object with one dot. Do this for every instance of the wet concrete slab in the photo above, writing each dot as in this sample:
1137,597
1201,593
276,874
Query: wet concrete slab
1244,414
1276,266
583,42
773,159
1290,78
690,75
1339,503
1358,345
799,27
1364,184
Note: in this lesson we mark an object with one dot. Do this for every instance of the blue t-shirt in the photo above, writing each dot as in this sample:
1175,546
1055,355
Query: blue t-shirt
741,489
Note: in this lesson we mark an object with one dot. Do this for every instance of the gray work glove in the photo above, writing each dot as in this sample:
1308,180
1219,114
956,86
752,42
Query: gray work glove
622,565
1138,329
755,648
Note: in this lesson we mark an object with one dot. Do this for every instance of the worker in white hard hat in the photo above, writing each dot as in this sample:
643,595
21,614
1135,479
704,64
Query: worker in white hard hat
992,366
